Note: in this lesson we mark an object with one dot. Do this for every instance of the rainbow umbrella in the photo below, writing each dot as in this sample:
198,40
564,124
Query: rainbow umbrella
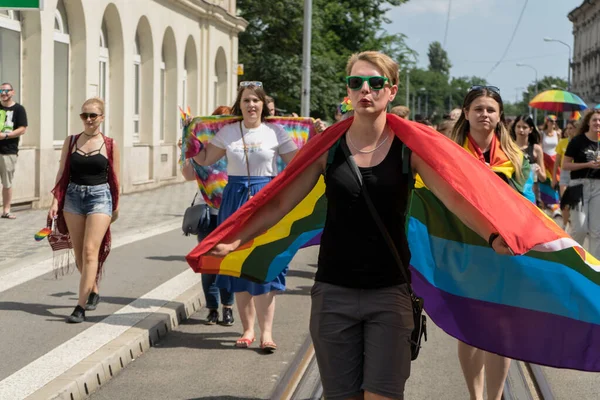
558,101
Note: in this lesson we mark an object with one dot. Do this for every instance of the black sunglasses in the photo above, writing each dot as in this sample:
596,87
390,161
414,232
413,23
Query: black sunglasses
92,116
494,89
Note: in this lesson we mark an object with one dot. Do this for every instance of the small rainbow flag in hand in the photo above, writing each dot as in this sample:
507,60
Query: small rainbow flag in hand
44,232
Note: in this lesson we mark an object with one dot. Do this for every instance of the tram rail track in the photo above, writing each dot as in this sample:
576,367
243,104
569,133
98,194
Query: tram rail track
301,381
526,382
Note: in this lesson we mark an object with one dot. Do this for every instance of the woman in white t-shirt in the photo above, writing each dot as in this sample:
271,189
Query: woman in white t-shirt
251,147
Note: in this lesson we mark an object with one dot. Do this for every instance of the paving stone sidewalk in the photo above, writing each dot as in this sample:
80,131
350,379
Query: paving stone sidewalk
137,211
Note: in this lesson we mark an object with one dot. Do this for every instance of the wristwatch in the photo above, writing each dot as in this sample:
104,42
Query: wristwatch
5,135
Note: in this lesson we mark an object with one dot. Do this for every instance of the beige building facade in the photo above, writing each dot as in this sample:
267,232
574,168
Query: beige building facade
586,51
143,57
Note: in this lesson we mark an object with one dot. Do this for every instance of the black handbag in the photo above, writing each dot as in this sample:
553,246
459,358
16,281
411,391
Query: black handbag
196,220
420,328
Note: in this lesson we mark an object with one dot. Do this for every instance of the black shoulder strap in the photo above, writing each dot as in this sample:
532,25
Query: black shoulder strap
384,232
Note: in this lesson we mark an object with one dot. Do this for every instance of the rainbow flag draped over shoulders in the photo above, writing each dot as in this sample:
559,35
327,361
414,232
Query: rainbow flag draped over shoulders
212,179
539,306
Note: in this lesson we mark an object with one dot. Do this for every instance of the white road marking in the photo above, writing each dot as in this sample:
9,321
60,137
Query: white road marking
51,365
25,272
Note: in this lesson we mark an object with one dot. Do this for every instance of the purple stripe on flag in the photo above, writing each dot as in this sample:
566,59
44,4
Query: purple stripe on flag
315,241
518,333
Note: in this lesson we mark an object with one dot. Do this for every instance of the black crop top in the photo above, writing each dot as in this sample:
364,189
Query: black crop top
353,252
88,169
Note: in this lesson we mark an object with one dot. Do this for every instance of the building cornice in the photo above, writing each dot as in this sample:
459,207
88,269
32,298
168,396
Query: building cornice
582,9
203,9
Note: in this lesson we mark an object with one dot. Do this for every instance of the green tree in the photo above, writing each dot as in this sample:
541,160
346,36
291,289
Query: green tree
438,59
271,46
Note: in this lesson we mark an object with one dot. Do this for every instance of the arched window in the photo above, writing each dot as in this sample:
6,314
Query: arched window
184,87
137,88
61,73
10,49
103,86
163,91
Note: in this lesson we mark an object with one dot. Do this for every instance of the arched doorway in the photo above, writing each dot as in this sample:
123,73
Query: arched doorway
190,92
61,73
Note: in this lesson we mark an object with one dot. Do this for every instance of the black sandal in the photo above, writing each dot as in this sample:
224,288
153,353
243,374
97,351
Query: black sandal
8,216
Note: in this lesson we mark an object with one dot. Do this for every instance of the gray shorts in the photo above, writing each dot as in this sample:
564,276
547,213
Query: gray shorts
361,339
8,162
565,177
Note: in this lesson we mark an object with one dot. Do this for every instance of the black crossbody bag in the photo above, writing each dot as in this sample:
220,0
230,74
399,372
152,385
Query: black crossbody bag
196,219
420,330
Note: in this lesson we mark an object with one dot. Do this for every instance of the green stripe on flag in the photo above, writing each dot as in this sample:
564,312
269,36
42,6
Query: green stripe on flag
257,263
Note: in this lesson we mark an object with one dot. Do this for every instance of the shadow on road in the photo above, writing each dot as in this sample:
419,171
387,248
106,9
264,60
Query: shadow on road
225,398
167,258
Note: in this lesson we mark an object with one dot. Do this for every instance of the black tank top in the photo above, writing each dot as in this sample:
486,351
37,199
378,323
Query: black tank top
353,252
89,168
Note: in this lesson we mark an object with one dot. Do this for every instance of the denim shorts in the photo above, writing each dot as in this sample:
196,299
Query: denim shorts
86,200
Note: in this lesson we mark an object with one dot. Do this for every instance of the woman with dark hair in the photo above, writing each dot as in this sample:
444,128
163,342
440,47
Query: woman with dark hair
251,148
212,294
528,138
481,129
582,158
551,134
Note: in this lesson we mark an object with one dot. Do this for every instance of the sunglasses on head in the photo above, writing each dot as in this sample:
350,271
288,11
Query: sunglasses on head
494,89
375,82
244,84
5,91
92,116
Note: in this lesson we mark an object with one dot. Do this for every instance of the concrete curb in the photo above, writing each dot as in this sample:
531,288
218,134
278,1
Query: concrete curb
94,371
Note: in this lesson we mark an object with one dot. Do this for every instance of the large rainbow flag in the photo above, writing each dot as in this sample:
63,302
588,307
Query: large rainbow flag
212,179
539,306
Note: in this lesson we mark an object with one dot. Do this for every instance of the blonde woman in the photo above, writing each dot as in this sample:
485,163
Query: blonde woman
361,314
86,201
481,128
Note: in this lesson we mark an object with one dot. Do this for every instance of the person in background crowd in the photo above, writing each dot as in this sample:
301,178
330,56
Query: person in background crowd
446,126
401,111
251,148
270,106
481,129
423,120
525,134
582,158
565,176
455,114
13,124
86,198
550,136
212,294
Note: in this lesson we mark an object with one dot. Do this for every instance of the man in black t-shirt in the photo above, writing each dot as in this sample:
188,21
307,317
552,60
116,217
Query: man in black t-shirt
13,123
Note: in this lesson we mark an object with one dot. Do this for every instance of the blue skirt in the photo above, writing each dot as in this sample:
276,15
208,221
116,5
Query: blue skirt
234,196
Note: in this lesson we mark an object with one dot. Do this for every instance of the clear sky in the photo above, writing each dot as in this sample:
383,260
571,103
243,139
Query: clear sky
479,32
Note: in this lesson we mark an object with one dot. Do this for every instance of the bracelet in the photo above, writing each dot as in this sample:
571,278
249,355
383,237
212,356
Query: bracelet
493,237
